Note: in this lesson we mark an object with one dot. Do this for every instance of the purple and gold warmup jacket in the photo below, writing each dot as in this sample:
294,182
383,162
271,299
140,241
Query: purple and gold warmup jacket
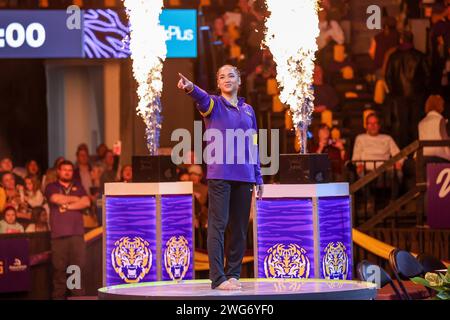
236,157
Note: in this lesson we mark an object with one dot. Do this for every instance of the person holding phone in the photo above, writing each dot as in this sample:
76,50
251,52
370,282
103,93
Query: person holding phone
231,175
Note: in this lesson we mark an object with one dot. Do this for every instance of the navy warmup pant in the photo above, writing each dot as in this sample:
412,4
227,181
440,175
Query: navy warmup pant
229,205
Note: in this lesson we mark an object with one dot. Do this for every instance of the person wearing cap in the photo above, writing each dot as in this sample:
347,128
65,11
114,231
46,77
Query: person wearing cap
232,173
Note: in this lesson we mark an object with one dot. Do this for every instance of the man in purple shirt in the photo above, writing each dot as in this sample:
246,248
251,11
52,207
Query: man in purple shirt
232,174
67,200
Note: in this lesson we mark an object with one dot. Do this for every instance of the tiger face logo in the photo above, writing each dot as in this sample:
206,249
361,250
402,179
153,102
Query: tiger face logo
131,259
335,262
177,257
286,261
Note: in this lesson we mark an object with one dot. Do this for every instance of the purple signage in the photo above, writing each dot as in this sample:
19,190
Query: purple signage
14,265
104,35
38,34
335,234
438,195
93,33
177,237
130,239
285,238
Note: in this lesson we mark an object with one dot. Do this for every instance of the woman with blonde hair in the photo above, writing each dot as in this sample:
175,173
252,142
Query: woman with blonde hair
434,127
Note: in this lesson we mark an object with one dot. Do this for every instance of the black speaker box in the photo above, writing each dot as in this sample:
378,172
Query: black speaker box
154,169
304,168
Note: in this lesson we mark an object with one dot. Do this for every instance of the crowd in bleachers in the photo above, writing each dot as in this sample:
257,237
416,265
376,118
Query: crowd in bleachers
362,113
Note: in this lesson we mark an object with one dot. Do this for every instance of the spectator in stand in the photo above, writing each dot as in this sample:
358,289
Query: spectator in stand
440,46
184,176
126,174
96,175
325,97
219,29
9,223
33,169
372,146
7,166
384,41
407,77
15,196
200,193
110,166
51,174
96,191
82,173
330,31
68,200
330,34
40,221
251,20
33,195
101,152
434,127
334,148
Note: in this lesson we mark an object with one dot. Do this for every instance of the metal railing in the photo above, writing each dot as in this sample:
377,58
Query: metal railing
363,188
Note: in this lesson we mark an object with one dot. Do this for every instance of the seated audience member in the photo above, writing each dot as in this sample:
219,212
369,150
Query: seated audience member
434,127
200,193
7,166
15,196
126,174
51,175
40,221
33,195
9,223
372,146
325,96
335,150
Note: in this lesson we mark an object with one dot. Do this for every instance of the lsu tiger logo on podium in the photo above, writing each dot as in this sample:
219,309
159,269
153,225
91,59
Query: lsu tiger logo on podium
131,259
335,262
286,261
177,257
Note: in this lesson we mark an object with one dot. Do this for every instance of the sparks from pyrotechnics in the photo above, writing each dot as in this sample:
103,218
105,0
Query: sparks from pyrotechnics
148,52
292,29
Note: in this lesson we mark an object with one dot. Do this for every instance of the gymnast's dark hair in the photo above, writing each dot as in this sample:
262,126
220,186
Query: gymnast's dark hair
235,69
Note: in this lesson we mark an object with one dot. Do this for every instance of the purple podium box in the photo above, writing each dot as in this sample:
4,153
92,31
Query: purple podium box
149,232
303,231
